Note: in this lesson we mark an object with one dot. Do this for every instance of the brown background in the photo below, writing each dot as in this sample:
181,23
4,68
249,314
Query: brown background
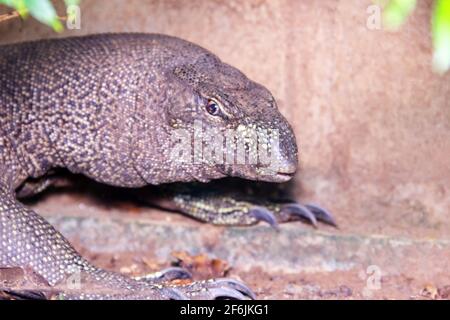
371,119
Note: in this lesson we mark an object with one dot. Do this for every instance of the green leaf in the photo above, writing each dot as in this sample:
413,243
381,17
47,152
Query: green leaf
72,2
441,36
44,11
9,3
396,12
18,5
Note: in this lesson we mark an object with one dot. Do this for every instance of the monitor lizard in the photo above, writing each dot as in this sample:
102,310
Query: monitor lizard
107,106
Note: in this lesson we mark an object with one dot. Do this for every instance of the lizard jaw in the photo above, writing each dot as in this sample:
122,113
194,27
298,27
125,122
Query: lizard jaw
274,176
284,172
282,177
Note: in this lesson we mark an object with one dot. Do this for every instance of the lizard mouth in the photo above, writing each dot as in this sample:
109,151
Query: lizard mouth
283,176
279,176
286,170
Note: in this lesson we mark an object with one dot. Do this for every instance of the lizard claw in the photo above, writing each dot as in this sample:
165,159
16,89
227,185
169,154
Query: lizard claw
221,288
166,275
297,209
322,214
237,285
218,293
262,214
21,295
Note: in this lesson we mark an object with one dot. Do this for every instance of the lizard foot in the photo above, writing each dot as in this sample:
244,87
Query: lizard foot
200,290
105,285
166,275
222,288
234,210
225,204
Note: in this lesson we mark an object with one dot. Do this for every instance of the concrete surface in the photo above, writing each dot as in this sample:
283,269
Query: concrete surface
371,119
295,262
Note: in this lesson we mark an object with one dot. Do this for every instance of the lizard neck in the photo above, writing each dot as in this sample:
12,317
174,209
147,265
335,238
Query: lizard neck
30,139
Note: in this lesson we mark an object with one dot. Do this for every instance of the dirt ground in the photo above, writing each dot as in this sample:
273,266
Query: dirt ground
298,262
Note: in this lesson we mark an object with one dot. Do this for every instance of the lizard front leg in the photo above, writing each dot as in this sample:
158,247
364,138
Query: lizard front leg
222,205
29,242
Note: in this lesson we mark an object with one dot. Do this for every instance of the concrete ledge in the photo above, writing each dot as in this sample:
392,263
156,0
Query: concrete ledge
296,248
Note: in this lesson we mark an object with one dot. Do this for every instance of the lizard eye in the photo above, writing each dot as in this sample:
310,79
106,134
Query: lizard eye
212,108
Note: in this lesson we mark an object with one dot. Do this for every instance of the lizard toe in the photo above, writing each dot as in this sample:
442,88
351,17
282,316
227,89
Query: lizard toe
222,288
166,275
322,214
263,214
298,210
237,285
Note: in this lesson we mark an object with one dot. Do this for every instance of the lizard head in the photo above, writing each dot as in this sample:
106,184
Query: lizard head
230,124
206,120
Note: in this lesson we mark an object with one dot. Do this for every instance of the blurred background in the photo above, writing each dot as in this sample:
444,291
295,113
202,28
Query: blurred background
372,122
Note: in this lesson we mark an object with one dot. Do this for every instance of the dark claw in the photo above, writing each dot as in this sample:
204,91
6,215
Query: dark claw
217,293
175,273
322,214
262,214
22,295
237,285
168,274
301,211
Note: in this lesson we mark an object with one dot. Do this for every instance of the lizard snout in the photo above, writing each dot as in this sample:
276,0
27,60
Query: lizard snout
286,170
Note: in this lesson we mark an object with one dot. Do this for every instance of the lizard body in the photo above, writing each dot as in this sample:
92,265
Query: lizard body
106,106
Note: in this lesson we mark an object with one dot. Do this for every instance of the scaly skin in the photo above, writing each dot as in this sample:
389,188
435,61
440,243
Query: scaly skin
106,106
